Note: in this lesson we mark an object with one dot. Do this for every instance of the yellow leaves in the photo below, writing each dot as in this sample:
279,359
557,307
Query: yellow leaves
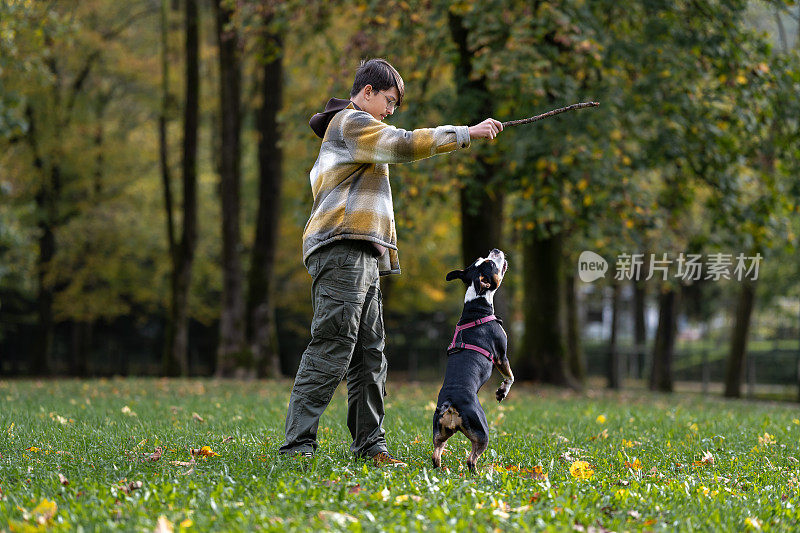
38,519
635,465
536,472
163,525
204,451
33,449
127,411
581,470
795,421
741,79
630,443
60,419
197,418
766,440
752,522
402,498
601,419
582,184
693,427
186,524
706,460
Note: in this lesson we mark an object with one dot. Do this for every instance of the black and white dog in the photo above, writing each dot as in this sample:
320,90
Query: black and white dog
479,344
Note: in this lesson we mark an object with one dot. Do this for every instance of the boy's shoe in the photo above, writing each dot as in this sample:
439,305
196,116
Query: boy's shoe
386,459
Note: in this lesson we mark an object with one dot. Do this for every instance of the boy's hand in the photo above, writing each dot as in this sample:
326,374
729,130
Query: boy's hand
488,129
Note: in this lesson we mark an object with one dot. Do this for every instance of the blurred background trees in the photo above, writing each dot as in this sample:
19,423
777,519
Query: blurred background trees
154,182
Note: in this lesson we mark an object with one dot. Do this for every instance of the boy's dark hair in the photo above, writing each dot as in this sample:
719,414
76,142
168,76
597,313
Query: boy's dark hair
381,75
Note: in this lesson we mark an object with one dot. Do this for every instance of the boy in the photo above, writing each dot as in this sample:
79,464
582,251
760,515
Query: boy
348,242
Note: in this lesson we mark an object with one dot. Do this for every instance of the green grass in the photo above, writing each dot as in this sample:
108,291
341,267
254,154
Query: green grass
82,434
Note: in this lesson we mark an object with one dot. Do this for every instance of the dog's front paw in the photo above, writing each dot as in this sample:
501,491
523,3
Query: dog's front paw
500,394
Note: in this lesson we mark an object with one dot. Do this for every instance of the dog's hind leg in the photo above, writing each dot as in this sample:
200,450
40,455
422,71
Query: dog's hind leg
439,442
480,441
446,420
476,430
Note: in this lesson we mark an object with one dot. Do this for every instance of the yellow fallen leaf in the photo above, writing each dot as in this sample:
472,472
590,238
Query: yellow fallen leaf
581,470
44,512
127,411
186,523
753,523
163,525
601,419
204,451
197,418
33,449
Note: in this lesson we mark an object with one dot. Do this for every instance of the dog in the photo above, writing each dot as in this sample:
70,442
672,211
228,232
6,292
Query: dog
479,344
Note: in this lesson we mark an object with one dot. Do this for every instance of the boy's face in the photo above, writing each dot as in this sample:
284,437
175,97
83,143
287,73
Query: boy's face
379,104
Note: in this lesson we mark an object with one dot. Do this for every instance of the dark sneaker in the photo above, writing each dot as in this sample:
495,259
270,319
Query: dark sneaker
386,459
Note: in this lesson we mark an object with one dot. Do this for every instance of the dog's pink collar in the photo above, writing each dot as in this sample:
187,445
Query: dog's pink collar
463,346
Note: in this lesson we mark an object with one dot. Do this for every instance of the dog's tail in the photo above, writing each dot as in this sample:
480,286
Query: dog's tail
449,417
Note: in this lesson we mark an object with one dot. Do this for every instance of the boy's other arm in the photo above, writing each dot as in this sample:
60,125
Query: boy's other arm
371,141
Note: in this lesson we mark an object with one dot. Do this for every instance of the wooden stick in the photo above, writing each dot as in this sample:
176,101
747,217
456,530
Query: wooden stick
550,113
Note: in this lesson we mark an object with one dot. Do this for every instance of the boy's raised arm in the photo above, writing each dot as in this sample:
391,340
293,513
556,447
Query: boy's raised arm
371,141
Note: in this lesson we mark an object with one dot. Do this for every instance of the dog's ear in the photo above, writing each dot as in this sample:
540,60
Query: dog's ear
455,274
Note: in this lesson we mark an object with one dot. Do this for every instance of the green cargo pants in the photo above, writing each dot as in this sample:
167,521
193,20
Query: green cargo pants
347,339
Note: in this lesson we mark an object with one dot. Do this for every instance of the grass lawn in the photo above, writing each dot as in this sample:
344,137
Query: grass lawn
115,454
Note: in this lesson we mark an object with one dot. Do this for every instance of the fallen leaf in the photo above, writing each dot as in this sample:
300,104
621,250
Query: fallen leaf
44,512
197,418
183,463
163,525
186,523
581,470
204,451
130,487
63,480
227,439
707,458
33,449
127,411
156,455
355,489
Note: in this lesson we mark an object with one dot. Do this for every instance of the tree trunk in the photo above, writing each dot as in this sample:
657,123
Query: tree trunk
737,357
661,373
41,360
231,352
176,360
614,360
263,333
163,141
577,363
481,203
639,328
543,344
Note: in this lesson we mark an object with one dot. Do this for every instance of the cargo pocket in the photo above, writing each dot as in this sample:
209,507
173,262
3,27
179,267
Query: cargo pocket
318,377
337,314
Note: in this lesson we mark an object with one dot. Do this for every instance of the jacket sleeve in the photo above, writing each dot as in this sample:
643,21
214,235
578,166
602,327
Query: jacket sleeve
371,141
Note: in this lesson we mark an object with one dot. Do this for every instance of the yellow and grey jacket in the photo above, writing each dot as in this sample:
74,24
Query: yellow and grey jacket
350,179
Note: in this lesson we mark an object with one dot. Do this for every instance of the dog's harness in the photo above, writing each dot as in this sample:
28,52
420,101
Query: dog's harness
463,346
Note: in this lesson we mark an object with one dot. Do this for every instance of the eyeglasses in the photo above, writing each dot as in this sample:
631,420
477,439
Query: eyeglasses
391,103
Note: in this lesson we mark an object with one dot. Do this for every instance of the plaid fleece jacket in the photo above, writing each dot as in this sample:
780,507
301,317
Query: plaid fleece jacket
350,179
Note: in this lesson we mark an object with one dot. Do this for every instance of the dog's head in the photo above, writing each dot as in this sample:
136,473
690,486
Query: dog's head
483,277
